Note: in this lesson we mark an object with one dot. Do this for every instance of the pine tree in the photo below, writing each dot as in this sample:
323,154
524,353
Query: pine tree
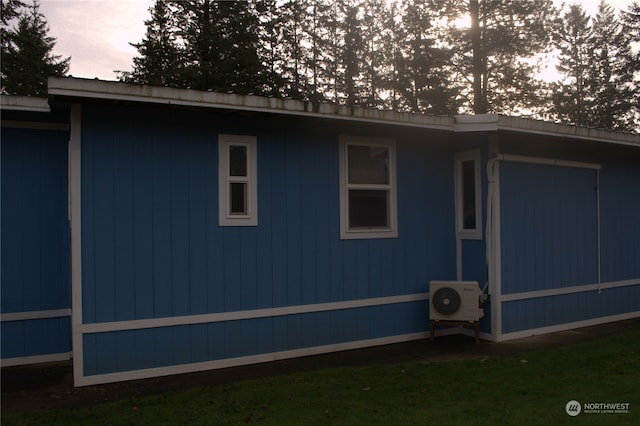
498,51
27,55
160,61
221,45
570,100
422,75
630,20
609,85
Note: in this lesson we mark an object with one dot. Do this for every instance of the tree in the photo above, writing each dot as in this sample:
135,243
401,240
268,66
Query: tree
9,10
572,41
160,61
494,58
609,84
423,75
630,20
27,54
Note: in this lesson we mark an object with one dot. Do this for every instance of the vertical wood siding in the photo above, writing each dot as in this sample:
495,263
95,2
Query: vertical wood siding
35,241
549,235
152,247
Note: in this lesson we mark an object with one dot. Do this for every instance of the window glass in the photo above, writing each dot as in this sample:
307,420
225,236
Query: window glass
368,209
368,164
469,194
238,194
237,160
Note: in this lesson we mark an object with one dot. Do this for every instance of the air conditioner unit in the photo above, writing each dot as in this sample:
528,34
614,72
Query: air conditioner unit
455,301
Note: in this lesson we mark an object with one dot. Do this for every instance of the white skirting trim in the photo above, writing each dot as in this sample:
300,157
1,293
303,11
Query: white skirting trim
248,314
568,290
35,359
234,362
34,315
566,326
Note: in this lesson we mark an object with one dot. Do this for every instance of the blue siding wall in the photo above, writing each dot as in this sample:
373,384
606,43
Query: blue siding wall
35,241
152,247
549,235
620,219
548,227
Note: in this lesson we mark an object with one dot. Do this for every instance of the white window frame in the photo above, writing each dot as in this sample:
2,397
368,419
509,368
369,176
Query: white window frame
347,233
225,142
459,158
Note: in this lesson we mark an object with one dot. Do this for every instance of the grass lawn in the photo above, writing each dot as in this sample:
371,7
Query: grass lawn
532,388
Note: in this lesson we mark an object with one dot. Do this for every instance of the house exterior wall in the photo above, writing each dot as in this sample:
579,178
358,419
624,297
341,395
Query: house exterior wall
570,236
164,285
36,298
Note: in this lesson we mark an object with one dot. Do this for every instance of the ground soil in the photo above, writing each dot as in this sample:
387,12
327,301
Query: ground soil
48,386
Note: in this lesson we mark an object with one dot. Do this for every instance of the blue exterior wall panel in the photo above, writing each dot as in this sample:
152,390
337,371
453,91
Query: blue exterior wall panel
549,231
548,226
130,350
620,218
531,314
152,247
35,240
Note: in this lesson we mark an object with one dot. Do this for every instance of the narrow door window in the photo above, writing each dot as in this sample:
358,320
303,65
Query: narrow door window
468,201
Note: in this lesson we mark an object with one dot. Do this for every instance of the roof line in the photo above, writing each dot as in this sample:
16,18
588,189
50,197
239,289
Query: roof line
71,87
24,103
97,89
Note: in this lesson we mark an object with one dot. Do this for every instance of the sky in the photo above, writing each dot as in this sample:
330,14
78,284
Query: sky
96,33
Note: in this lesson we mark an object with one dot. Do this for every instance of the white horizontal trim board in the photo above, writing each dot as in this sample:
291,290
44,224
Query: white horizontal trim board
248,314
566,326
568,290
35,359
234,362
35,125
548,161
34,315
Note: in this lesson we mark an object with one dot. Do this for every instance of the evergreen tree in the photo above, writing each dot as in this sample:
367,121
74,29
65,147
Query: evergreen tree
422,76
497,52
630,20
608,83
221,45
9,10
570,100
160,61
27,54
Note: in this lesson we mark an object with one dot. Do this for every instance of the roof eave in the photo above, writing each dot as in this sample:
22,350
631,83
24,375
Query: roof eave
24,103
97,89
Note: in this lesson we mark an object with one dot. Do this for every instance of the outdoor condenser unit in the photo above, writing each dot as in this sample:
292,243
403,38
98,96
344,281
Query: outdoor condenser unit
454,301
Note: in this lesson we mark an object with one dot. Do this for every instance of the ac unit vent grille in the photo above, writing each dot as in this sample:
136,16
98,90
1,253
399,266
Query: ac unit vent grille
446,301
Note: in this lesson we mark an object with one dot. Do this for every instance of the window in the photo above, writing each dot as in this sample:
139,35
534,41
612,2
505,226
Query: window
237,174
468,195
367,188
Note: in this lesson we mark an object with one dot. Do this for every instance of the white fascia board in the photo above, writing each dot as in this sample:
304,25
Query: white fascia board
24,103
495,122
518,124
97,89
475,123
